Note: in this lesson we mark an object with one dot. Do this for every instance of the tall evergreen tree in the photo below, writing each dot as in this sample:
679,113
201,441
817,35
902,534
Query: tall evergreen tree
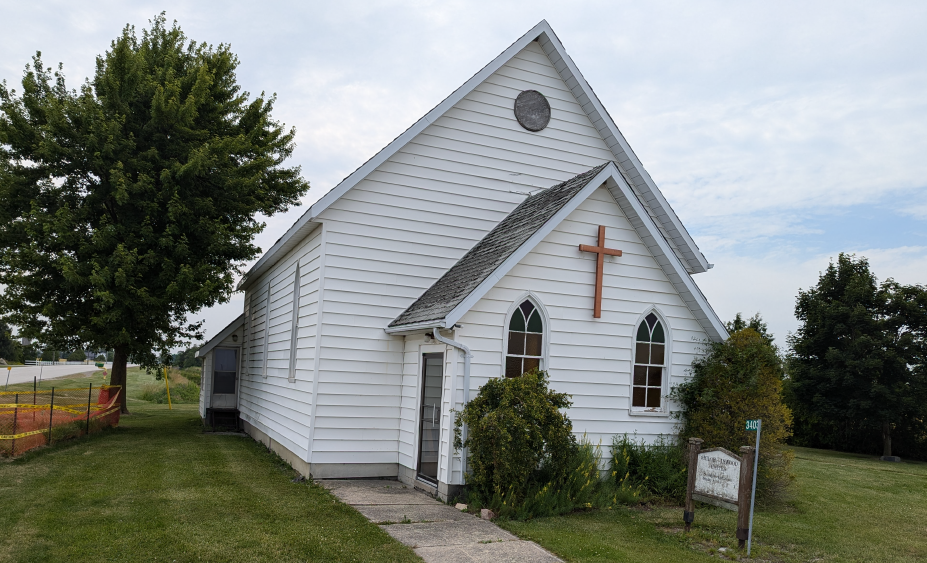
132,202
857,366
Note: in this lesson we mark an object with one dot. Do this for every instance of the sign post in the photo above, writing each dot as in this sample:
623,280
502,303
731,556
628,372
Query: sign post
688,515
753,426
168,387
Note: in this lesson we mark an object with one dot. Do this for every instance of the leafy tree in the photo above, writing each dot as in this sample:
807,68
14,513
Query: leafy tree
737,380
132,202
9,348
77,356
29,353
188,358
857,369
755,322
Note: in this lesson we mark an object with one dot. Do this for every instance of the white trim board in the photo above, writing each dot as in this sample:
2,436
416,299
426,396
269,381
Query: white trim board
624,156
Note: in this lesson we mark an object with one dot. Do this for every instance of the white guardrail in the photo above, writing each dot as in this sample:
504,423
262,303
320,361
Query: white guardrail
59,363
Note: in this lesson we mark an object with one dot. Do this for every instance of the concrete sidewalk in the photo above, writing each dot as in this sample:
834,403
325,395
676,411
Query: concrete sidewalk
437,532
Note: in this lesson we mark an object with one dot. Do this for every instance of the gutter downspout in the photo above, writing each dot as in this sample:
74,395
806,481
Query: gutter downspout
466,389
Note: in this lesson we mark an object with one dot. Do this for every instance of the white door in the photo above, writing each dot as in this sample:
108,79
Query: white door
224,378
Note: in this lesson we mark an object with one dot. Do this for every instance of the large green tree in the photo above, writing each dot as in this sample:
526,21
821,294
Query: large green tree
858,358
132,202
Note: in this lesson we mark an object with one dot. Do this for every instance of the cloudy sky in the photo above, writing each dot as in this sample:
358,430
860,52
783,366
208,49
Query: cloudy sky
782,133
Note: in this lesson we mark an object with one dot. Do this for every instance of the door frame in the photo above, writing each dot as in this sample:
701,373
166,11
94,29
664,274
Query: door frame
419,392
212,374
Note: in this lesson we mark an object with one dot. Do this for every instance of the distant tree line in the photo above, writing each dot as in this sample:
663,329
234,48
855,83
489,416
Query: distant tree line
857,371
187,358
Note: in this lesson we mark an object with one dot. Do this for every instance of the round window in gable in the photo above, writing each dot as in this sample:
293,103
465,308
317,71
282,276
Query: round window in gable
532,110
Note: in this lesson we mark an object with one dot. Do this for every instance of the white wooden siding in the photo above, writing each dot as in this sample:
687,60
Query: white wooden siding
397,231
268,399
205,383
589,358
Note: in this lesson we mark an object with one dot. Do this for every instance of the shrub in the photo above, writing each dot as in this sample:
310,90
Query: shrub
517,437
737,380
657,470
100,358
194,374
579,487
77,356
182,390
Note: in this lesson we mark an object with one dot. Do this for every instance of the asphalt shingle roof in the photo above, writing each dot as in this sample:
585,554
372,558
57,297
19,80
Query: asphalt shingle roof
488,254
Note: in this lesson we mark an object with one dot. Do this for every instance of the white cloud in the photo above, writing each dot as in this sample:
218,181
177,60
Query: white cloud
753,118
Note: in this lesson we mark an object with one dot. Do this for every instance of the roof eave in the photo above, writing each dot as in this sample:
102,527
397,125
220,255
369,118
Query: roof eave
417,327
389,150
675,271
591,104
624,155
223,334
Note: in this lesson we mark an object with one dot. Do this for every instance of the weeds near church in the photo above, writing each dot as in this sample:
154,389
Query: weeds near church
846,507
658,470
525,462
185,387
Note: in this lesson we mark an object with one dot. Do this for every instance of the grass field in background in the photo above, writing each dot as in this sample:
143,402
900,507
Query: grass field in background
158,489
845,507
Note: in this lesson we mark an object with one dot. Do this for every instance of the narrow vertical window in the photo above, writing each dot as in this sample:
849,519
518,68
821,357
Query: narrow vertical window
525,340
266,329
245,334
649,364
294,329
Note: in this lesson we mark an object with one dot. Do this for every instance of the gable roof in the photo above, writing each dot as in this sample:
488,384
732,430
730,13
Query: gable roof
467,281
493,250
223,334
627,162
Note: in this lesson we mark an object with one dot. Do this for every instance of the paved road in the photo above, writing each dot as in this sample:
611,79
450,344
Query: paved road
22,374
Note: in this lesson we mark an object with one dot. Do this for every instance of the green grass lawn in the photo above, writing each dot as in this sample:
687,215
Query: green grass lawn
158,489
845,508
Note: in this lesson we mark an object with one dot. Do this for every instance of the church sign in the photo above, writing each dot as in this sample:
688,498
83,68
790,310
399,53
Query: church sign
721,478
717,478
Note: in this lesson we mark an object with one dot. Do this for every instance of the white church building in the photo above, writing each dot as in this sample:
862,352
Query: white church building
510,228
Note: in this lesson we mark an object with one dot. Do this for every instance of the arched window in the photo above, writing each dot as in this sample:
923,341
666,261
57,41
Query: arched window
526,340
649,364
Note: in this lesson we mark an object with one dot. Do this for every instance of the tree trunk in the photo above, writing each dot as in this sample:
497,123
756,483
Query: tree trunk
117,376
886,438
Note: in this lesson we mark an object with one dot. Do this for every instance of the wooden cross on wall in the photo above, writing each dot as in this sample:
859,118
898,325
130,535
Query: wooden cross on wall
600,251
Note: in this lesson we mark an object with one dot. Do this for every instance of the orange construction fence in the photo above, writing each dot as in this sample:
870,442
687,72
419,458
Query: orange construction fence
29,419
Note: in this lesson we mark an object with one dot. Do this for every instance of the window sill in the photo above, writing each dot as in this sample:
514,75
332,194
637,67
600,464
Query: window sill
643,412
